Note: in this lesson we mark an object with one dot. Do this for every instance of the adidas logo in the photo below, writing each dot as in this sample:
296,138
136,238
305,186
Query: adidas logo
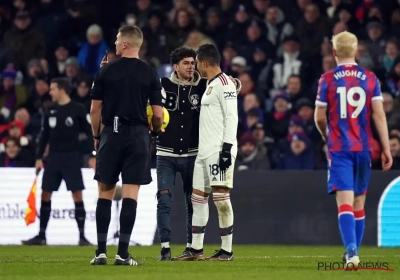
214,179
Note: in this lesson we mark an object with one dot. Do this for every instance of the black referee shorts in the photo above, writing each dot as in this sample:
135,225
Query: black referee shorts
127,153
62,166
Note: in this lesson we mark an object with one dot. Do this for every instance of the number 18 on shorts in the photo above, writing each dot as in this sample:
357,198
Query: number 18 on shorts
207,174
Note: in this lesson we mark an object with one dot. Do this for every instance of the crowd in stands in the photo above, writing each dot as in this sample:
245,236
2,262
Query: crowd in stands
278,50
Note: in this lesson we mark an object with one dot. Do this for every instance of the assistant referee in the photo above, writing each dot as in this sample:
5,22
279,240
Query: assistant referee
120,94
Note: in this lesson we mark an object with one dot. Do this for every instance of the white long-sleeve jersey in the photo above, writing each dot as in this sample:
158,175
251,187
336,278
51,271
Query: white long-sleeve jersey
218,117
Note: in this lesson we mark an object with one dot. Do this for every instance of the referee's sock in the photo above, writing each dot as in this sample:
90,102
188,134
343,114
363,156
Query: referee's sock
347,228
103,218
80,217
45,210
126,220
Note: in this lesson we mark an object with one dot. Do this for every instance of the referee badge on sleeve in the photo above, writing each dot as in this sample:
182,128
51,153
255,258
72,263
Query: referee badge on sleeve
52,122
209,90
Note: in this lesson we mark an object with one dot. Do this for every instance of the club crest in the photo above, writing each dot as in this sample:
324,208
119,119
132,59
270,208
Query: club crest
194,99
209,90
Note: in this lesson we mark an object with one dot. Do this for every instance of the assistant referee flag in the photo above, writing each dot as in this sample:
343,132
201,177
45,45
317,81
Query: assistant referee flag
30,214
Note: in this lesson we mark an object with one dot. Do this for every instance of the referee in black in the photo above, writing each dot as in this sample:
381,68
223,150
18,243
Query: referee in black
62,123
120,94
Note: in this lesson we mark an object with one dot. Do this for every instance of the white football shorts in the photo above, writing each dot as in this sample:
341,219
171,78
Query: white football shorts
207,174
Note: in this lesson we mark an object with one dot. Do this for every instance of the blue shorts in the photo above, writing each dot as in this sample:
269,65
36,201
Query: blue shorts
349,171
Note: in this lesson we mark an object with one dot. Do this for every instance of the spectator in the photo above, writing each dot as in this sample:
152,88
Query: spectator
58,64
392,116
39,94
392,51
277,121
14,155
312,29
237,29
182,26
277,28
247,85
144,8
363,56
15,129
11,96
155,34
256,48
213,27
26,41
196,39
345,15
228,9
263,142
375,42
260,7
30,129
249,157
183,4
282,147
228,54
82,93
393,81
294,89
305,109
238,66
300,155
292,62
73,71
394,142
92,52
33,70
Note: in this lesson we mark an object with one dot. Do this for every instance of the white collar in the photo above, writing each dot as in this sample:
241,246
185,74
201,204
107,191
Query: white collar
347,63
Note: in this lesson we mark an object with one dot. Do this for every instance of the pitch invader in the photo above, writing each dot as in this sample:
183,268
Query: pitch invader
349,95
213,168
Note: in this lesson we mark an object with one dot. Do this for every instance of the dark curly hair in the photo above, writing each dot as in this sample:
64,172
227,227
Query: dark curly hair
209,53
180,53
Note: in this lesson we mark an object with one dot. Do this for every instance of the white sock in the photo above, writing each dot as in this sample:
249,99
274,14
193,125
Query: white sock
225,216
199,220
188,245
165,245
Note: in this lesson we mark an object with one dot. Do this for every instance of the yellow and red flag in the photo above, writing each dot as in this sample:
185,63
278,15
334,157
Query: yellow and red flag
30,214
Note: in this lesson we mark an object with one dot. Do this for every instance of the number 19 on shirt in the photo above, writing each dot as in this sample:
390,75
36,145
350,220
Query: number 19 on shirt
347,97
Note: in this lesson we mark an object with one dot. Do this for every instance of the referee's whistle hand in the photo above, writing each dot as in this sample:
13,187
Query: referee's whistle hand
104,61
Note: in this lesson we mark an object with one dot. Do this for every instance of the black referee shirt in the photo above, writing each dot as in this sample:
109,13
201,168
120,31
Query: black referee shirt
125,86
61,127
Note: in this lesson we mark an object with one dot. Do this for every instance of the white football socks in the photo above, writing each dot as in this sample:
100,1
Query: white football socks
199,221
225,216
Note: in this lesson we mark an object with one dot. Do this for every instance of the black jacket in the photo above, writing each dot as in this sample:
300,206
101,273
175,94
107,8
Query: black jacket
181,137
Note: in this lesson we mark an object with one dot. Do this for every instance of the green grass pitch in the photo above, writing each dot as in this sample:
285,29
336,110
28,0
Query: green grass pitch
251,262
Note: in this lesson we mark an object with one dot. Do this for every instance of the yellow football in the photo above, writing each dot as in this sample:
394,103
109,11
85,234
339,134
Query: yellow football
150,116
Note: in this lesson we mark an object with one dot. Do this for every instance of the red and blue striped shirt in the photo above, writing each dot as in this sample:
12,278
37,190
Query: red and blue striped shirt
348,92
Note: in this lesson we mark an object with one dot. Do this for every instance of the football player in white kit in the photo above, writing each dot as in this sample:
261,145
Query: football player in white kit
213,170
